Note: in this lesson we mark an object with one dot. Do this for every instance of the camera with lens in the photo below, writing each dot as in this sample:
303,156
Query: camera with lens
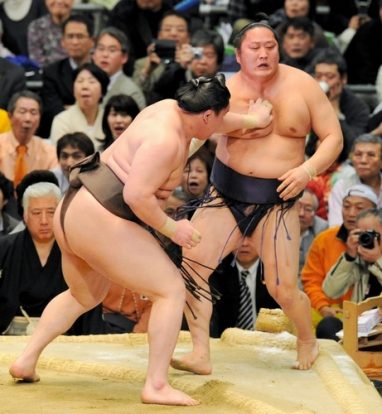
165,49
366,238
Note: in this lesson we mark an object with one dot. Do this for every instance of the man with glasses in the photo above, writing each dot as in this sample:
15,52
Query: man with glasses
111,53
58,78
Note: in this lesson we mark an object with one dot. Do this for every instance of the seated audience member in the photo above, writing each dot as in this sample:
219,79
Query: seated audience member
58,78
191,65
125,310
353,113
12,80
147,70
344,38
364,54
111,53
238,9
366,157
71,148
177,199
15,16
119,112
310,223
293,9
239,280
45,33
20,150
196,174
327,247
139,21
31,263
7,222
359,268
298,48
90,85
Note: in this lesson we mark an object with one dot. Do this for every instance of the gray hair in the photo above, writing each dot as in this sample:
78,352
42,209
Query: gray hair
41,189
314,197
366,139
374,212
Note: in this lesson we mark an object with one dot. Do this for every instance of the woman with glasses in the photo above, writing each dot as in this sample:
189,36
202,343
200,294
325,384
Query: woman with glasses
106,223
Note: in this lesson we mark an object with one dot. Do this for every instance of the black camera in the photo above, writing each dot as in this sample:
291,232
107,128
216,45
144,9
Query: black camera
366,238
165,49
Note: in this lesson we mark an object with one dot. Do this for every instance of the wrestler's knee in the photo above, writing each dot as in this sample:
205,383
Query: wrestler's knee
286,295
176,291
88,301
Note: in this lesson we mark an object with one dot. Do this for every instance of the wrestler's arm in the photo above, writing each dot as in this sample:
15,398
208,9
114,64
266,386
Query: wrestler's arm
153,163
325,124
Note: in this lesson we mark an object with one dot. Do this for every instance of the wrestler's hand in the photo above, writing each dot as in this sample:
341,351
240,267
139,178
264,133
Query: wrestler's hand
259,114
185,234
292,183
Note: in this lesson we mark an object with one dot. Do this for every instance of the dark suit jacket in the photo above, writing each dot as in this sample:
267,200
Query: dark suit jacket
226,280
12,79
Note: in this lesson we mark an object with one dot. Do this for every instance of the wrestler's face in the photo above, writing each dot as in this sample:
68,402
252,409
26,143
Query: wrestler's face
247,254
118,122
211,122
306,209
108,54
77,41
38,218
366,159
296,8
207,65
297,43
195,178
174,28
25,119
69,156
351,207
259,53
87,90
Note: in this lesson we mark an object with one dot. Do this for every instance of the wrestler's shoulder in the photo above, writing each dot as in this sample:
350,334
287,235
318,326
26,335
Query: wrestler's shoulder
295,74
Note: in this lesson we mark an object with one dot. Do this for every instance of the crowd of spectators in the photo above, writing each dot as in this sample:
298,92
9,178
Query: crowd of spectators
93,81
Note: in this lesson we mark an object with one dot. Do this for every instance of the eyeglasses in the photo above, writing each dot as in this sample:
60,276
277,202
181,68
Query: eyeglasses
110,49
202,79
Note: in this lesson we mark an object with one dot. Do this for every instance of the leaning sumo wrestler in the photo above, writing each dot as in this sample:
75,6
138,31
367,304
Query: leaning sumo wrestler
255,184
101,225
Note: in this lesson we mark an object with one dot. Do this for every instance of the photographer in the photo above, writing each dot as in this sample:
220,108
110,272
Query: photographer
202,58
360,267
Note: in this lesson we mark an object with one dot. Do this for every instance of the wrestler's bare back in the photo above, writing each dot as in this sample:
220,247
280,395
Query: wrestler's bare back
157,123
293,112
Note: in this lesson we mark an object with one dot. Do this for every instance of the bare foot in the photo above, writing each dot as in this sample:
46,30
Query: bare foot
307,353
166,396
24,372
190,363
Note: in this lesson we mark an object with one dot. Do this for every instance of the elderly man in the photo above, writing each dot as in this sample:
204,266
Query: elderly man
326,248
111,53
20,150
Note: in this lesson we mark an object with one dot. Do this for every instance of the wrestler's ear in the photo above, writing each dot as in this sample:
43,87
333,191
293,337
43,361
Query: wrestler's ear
206,115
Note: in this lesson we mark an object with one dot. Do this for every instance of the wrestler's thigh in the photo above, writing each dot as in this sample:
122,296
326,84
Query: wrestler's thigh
220,236
118,249
279,254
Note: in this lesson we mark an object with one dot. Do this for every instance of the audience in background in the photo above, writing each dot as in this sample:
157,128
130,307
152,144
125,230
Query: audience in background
12,80
7,222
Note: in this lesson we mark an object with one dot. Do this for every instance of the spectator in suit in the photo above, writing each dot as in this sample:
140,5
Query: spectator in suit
111,53
58,78
45,33
139,21
226,279
21,151
12,80
353,113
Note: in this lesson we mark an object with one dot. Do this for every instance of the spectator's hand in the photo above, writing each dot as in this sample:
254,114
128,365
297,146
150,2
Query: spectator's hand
358,20
153,58
352,243
330,311
378,130
293,182
184,55
370,255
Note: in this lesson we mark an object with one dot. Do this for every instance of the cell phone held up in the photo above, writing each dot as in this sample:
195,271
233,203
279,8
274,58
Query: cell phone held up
165,49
